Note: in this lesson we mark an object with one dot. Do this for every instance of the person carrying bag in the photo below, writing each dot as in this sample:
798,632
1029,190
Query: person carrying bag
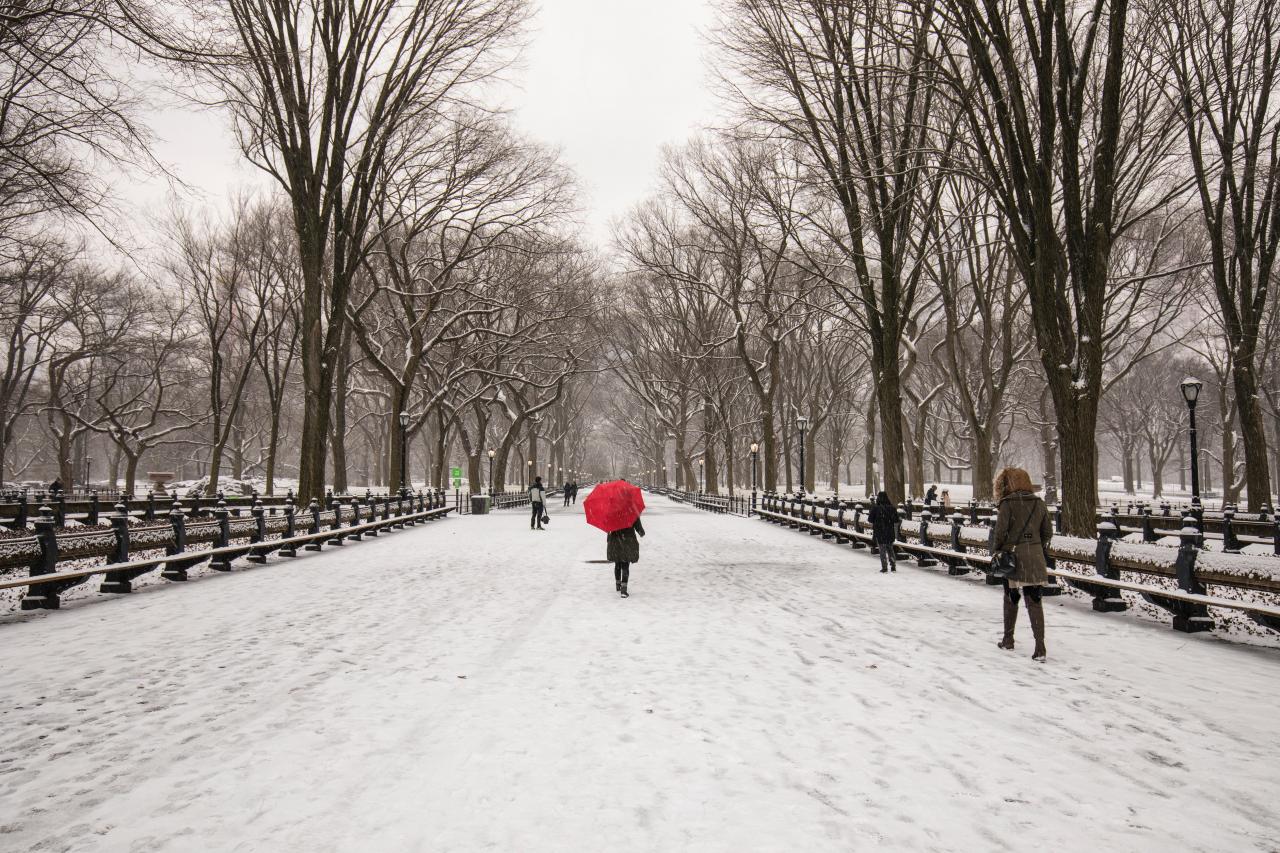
1022,533
537,503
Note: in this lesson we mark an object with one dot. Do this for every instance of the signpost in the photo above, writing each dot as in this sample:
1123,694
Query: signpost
455,474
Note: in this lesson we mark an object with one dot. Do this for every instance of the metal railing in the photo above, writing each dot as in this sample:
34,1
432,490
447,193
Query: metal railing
963,549
313,527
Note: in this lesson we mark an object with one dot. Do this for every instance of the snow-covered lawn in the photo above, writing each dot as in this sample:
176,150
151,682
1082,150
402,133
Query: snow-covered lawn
473,685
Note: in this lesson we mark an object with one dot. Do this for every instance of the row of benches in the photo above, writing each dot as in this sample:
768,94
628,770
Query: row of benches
1187,605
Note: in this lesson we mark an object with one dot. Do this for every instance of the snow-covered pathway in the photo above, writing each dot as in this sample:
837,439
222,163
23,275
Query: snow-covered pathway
472,685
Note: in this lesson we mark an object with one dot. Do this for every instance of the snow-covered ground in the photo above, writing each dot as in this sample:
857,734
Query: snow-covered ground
473,685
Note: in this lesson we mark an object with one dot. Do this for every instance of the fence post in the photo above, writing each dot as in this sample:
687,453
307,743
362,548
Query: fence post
354,535
222,562
1188,617
925,560
1106,599
176,570
93,509
118,581
957,565
259,535
399,511
60,509
856,543
44,564
150,512
1275,534
313,508
1230,542
973,513
20,519
373,513
290,530
335,506
386,508
1148,532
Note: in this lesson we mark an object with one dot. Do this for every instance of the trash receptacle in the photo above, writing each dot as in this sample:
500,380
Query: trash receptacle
479,504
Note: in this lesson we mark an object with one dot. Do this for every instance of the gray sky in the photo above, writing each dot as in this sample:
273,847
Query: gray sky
606,81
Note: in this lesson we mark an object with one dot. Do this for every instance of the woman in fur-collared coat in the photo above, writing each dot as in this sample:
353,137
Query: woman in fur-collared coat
1022,526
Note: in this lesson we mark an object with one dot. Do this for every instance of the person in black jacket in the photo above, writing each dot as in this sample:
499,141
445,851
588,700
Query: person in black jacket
55,486
573,489
931,496
622,550
884,530
567,492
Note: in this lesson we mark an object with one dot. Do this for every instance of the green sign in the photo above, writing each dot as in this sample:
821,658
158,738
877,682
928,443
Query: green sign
455,473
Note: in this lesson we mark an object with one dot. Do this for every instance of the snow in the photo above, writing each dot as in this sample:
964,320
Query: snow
470,684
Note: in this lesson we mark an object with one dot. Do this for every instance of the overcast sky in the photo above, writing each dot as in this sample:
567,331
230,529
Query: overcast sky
606,81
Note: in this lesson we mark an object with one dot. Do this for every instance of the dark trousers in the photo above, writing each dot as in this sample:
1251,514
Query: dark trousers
566,498
621,571
536,518
886,557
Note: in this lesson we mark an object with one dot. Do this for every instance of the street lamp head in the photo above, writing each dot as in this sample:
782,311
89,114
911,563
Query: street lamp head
755,448
404,419
492,453
702,462
803,421
530,463
1190,389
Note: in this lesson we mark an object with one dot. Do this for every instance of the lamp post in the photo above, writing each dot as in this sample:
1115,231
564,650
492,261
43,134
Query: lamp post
802,422
88,471
404,451
529,475
702,473
492,453
755,457
1191,392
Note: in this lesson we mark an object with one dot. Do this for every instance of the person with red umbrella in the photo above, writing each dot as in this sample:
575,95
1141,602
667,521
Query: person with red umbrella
615,508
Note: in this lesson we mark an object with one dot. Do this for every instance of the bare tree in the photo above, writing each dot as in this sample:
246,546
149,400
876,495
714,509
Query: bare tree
1225,58
326,98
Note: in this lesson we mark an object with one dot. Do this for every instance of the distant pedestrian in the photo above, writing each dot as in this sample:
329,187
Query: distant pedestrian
623,550
946,501
573,491
567,492
884,530
1022,526
931,496
537,503
56,485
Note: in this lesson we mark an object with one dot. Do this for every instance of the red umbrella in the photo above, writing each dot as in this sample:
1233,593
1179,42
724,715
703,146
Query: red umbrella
614,506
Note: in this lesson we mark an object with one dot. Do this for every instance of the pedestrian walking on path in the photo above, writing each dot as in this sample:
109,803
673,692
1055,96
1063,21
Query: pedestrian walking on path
615,508
573,491
568,492
624,549
884,530
537,503
1022,526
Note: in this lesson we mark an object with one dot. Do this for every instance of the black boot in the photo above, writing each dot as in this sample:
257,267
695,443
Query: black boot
1035,610
617,577
1010,620
626,575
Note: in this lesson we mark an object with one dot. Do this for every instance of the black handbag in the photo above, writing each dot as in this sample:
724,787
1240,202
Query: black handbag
1004,564
546,519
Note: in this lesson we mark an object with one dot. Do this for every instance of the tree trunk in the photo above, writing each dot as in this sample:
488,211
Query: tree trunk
1126,466
1157,471
870,452
1077,427
889,398
273,444
983,466
1249,411
131,471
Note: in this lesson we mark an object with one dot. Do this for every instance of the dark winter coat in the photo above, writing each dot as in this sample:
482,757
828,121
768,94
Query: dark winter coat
931,495
624,547
884,523
1016,510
